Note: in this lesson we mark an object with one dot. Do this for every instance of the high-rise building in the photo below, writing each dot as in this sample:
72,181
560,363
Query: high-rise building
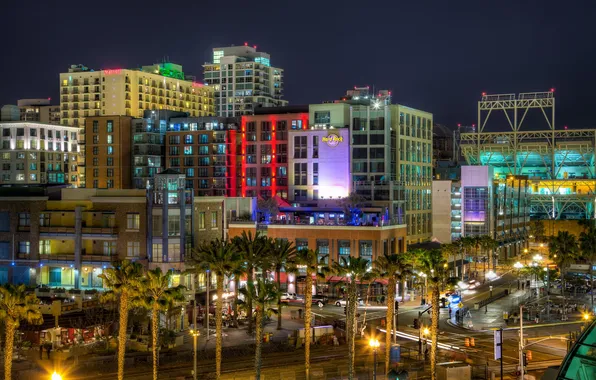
40,110
264,150
108,152
129,92
36,153
243,79
206,150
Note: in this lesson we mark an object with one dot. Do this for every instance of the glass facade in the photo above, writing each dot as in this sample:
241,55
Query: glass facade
580,362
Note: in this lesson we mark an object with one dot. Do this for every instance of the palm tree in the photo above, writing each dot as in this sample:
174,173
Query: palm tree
395,269
263,293
354,270
451,250
123,280
221,258
279,252
434,264
252,248
467,242
308,259
563,251
488,245
587,241
16,305
157,295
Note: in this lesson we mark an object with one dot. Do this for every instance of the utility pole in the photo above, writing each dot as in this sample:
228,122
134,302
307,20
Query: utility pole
521,341
208,304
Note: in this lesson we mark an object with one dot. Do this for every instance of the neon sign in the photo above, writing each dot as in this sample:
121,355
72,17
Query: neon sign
332,140
112,71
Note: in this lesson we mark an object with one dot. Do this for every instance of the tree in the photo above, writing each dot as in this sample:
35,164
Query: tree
278,253
466,243
434,264
563,251
488,245
354,270
351,205
537,230
16,305
395,269
587,241
268,207
222,259
450,251
252,248
123,280
156,295
263,293
308,259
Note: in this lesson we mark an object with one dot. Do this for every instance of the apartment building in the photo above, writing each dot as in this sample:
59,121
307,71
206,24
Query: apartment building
39,110
108,152
264,149
67,237
206,151
243,79
38,154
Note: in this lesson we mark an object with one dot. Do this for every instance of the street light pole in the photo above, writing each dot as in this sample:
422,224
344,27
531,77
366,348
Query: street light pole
521,341
195,334
374,344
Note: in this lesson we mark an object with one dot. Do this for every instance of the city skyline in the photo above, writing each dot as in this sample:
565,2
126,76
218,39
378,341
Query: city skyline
449,61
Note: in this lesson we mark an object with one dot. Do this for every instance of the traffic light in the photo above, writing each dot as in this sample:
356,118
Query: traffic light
345,310
525,360
529,355
416,323
396,306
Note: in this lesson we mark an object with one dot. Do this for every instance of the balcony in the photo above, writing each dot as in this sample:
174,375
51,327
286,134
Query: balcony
56,231
99,232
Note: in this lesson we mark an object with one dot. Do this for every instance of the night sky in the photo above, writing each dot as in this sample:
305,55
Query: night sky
438,56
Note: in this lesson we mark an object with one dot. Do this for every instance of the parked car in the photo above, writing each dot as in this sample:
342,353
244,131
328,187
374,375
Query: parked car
288,296
343,302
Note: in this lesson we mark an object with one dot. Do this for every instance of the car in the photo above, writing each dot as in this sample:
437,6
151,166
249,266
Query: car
319,300
288,296
343,302
472,284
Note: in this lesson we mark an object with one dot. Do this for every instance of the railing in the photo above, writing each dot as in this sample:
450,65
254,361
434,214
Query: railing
486,301
57,229
99,230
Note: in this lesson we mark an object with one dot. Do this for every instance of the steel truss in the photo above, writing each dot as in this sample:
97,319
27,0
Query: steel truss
542,155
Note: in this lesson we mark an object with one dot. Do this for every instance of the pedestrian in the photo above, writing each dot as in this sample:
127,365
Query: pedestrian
49,348
41,351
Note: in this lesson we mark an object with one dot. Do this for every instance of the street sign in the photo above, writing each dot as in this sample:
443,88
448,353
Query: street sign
460,305
498,343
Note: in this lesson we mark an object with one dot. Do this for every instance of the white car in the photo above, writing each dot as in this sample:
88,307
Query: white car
343,302
472,284
288,296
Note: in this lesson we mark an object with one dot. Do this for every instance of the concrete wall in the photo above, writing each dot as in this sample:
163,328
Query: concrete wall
441,211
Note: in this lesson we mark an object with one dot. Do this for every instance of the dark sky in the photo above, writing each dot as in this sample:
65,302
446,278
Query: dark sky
434,55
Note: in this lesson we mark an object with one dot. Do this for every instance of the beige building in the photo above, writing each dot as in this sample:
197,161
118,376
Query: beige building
129,92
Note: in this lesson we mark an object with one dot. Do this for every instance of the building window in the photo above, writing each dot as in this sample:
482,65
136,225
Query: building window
109,248
95,161
133,249
173,225
24,219
44,219
110,126
296,124
174,252
95,150
188,139
95,139
110,149
157,254
110,184
190,172
323,249
24,247
315,147
110,139
95,126
300,174
323,117
300,195
110,172
343,248
188,150
4,221
315,173
110,161
265,131
95,184
300,146
44,247
174,151
201,220
156,225
133,221
366,250
4,250
301,244
213,219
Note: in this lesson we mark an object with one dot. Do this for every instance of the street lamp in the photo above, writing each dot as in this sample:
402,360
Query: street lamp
537,257
374,344
56,376
195,335
518,266
547,293
425,333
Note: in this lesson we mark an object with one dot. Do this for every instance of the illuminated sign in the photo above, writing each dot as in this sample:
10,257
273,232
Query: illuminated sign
112,71
332,140
197,84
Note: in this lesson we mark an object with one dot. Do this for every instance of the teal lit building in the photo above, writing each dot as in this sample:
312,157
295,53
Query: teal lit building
580,362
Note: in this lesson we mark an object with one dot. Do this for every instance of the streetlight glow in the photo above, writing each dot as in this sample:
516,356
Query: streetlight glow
56,376
586,317
374,343
537,258
518,265
426,331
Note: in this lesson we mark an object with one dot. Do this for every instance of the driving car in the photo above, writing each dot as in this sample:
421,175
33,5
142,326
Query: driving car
343,302
472,284
319,300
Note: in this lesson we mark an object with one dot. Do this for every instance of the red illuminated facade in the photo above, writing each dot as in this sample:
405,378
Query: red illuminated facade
264,145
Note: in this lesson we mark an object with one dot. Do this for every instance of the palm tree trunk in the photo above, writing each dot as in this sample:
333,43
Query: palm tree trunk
249,284
389,317
352,300
154,333
258,341
307,321
122,333
279,305
9,342
592,284
218,324
434,331
236,292
461,270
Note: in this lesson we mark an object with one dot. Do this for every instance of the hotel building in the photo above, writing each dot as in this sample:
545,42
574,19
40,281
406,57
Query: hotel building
38,154
243,79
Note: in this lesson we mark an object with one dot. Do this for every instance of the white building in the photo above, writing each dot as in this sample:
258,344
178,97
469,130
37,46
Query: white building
243,79
37,153
446,211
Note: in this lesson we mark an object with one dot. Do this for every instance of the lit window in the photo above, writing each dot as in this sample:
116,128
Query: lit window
20,177
133,249
132,221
